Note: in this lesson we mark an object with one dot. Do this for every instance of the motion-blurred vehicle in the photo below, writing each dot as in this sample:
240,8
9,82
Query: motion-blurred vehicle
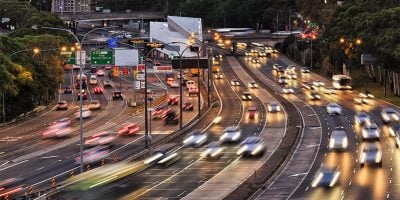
218,75
291,74
255,60
282,79
318,83
305,70
252,146
187,106
371,153
93,155
98,90
246,96
171,118
333,109
275,67
117,95
10,187
326,177
366,95
338,140
274,107
288,90
280,69
92,79
231,134
389,115
195,139
94,105
252,84
129,129
163,158
360,100
84,95
252,112
86,113
160,112
62,105
100,72
193,91
314,96
174,84
101,138
63,122
173,100
107,83
235,82
57,131
108,67
370,131
394,131
306,85
67,90
362,118
329,90
212,150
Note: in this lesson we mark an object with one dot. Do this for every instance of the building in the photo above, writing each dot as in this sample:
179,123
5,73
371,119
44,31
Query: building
177,33
70,6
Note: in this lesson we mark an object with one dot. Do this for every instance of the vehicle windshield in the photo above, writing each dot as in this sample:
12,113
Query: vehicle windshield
344,81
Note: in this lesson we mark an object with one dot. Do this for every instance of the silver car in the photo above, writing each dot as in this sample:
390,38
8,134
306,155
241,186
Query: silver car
274,107
338,140
231,134
371,154
333,109
389,115
288,90
326,177
252,146
212,150
195,139
362,118
370,132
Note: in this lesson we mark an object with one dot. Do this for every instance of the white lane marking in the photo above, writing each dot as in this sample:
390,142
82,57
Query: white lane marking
312,145
4,163
45,157
13,165
39,168
315,127
1,152
299,174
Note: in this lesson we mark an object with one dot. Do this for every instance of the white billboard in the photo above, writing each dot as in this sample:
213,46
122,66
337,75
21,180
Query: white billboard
126,57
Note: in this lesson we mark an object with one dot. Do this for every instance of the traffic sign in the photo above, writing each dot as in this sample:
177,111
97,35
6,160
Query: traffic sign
80,57
140,76
125,71
101,57
71,57
112,42
140,67
162,69
115,71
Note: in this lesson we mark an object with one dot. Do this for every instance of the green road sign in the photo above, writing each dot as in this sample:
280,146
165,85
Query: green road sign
101,57
71,57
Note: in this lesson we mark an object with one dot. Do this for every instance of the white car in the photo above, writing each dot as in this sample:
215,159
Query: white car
291,74
371,154
282,79
329,90
246,96
212,150
57,132
102,138
252,146
100,72
274,107
389,115
370,131
174,84
333,109
94,105
218,75
326,177
338,140
93,80
86,113
162,158
288,90
195,139
362,118
235,82
93,155
318,83
107,83
231,134
252,84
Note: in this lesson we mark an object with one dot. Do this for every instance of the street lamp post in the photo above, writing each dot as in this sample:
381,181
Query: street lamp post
79,42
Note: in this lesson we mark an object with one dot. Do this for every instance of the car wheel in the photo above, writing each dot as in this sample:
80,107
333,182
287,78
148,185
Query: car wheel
361,165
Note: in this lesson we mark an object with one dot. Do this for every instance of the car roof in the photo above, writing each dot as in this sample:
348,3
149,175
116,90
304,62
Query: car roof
252,140
339,133
231,128
252,108
247,93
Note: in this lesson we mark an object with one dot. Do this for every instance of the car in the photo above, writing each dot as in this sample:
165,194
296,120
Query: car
83,85
160,112
274,107
195,139
174,84
305,70
78,77
255,60
360,100
371,153
94,105
370,131
282,79
231,134
98,90
333,109
252,146
93,155
62,105
84,95
246,96
11,187
67,90
128,129
291,75
275,67
173,100
395,132
63,122
117,95
314,96
101,138
288,90
235,82
171,118
93,80
280,69
86,113
252,112
100,72
338,140
367,95
187,106
164,158
190,84
362,118
107,83
329,90
393,129
108,67
218,75
318,83
389,115
252,84
291,68
212,150
326,177
306,85
57,131
193,91
93,69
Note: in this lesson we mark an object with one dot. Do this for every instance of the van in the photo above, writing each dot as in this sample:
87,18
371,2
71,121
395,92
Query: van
190,84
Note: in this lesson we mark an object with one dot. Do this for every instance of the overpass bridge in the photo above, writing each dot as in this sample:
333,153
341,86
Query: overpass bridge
116,16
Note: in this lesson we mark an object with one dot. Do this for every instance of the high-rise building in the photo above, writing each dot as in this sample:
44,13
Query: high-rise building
70,6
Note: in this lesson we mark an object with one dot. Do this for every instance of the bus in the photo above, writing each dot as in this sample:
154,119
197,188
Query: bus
341,82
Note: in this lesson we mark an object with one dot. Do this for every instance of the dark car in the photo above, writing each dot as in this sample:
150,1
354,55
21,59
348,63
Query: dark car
117,95
84,95
62,105
187,106
173,100
171,118
83,85
67,90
